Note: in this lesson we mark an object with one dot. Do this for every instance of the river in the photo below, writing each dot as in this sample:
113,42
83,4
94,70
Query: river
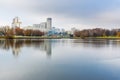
59,59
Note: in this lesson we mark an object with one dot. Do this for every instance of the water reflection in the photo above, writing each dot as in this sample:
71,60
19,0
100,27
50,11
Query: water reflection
96,43
70,59
17,44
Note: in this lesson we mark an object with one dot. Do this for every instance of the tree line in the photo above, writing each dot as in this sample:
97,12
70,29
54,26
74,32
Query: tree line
7,31
97,32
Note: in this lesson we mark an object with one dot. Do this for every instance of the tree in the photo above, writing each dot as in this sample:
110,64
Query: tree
118,34
19,31
28,32
4,30
37,33
77,33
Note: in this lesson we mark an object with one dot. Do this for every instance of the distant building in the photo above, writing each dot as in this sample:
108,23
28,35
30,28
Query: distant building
27,27
69,32
56,32
16,22
73,30
44,26
62,30
49,24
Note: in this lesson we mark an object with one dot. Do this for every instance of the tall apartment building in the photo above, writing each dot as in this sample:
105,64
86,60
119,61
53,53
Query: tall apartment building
16,22
44,26
49,24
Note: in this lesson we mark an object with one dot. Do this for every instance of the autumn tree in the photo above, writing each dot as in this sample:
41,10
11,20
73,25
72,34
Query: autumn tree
19,31
4,30
37,33
77,33
28,32
118,34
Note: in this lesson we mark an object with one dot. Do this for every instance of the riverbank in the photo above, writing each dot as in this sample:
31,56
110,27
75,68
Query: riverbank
56,37
106,37
31,37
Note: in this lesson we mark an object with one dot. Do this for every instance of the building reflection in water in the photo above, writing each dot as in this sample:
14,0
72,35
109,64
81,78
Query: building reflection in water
96,43
16,45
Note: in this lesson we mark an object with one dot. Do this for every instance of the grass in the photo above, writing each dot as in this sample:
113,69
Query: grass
108,37
57,37
29,37
102,37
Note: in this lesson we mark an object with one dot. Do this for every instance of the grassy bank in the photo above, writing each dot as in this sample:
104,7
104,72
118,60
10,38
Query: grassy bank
105,37
51,37
29,37
108,37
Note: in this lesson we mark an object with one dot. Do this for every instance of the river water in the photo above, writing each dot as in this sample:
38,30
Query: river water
59,59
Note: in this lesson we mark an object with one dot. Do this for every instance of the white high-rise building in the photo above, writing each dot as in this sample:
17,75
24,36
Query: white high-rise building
16,22
49,24
44,26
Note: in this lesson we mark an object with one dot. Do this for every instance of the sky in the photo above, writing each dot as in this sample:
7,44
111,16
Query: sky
66,14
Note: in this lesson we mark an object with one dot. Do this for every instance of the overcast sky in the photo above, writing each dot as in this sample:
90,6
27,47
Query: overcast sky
65,13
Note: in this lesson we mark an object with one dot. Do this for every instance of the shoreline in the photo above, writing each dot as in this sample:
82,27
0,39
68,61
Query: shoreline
30,37
50,37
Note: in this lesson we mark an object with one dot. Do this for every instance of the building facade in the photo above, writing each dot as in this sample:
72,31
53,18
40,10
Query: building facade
44,26
16,22
49,24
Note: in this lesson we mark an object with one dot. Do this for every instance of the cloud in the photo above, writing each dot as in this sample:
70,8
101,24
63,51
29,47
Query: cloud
63,11
76,8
